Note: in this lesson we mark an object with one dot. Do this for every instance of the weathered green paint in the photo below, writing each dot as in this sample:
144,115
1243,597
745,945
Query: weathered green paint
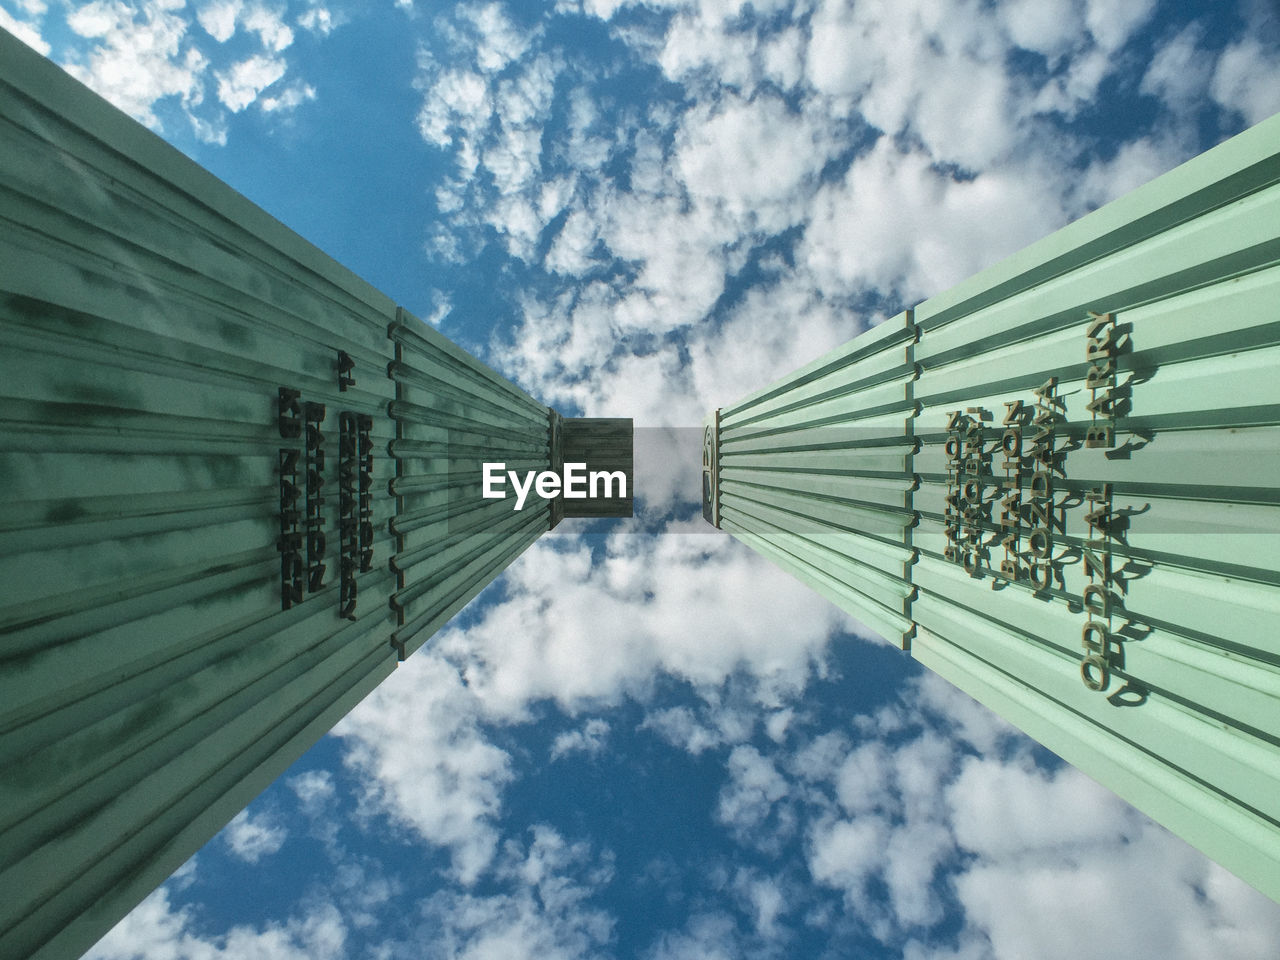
840,474
150,682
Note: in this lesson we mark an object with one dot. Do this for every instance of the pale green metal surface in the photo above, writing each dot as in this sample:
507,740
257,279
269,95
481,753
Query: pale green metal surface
808,472
151,682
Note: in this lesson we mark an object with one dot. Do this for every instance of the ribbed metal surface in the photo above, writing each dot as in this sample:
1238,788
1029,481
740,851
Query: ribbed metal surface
1180,565
156,669
451,415
815,473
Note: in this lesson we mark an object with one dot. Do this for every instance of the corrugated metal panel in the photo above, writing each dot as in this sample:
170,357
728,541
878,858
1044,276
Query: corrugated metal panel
153,675
452,413
814,472
1176,285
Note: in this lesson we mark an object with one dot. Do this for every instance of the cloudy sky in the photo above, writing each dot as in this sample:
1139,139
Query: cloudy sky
645,742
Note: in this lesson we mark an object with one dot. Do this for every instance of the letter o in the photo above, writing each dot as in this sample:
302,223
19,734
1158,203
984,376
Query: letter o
1094,672
1041,574
1011,443
1040,551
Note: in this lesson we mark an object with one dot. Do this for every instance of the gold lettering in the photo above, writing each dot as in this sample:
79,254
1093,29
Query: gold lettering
1045,390
1103,404
1100,435
1101,346
1094,672
1041,574
1101,375
1040,542
1100,320
1011,443
1101,568
1099,591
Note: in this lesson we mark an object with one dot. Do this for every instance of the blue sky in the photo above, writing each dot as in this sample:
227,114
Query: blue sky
646,742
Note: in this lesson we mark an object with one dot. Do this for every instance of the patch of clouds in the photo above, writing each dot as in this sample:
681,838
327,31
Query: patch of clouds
419,742
156,930
893,223
543,907
533,648
751,160
250,838
764,898
589,740
140,55
500,40
319,20
27,30
680,727
967,172
219,18
314,789
923,827
1179,71
416,745
287,99
750,802
240,84
222,18
1247,79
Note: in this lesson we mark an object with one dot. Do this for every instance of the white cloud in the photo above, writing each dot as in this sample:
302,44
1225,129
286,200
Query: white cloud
313,788
1179,71
317,19
680,727
707,936
268,24
28,31
142,56
751,160
896,223
695,42
239,86
846,854
755,791
252,838
1112,24
154,930
1051,29
1028,852
543,908
144,53
417,745
500,40
288,98
457,98
419,740
535,646
589,740
219,18
1247,79
765,898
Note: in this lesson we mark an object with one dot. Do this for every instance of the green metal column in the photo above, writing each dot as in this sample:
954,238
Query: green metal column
239,485
1056,485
